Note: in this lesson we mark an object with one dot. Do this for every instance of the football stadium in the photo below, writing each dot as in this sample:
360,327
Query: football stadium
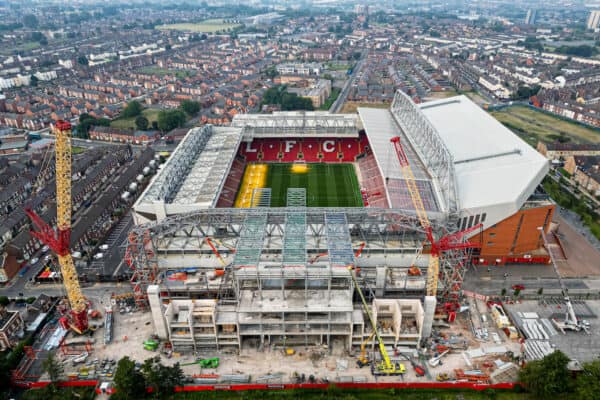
247,234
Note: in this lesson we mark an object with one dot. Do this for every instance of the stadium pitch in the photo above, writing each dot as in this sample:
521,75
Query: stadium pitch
327,185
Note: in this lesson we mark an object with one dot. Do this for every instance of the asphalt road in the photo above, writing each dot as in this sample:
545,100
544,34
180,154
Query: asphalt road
339,102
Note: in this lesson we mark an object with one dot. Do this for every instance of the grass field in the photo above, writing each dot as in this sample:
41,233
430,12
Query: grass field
534,125
126,123
327,185
164,71
335,92
207,26
354,394
77,150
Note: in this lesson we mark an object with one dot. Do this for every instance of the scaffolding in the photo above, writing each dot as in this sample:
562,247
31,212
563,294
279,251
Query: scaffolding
296,123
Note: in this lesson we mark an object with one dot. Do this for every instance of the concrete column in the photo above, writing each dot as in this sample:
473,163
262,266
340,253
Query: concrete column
380,281
429,310
158,315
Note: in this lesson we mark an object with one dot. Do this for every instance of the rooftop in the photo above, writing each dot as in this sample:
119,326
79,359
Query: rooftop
197,169
297,123
492,164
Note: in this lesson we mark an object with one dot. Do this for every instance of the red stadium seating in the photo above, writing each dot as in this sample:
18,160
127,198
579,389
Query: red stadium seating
232,184
372,182
309,150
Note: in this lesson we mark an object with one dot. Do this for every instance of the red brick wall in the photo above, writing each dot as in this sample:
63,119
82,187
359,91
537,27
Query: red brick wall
516,235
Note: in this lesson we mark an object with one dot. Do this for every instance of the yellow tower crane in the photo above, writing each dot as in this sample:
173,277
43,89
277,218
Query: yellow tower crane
453,241
59,240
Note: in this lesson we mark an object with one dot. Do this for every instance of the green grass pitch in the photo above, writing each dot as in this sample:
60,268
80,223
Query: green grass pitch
327,185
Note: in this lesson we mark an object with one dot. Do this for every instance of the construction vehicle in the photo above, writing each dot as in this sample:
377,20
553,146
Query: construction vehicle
450,242
443,377
363,359
570,322
59,241
289,351
204,362
385,367
150,345
437,360
414,271
419,370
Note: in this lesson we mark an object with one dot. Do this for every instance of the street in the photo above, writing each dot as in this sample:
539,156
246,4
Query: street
339,102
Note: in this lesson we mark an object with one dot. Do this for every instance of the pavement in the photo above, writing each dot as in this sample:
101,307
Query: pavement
574,222
581,270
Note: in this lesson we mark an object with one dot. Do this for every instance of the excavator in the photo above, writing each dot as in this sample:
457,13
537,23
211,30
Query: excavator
363,359
205,362
386,366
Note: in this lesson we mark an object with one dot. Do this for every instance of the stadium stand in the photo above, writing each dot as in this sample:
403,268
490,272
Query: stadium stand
232,184
330,150
372,182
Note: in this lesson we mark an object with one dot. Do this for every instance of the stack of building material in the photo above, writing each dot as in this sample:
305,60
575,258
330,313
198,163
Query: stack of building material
507,372
473,375
537,349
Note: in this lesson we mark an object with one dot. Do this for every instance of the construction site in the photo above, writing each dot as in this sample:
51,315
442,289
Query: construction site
261,294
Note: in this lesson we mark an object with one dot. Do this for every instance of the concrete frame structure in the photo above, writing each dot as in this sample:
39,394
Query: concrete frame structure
272,292
285,278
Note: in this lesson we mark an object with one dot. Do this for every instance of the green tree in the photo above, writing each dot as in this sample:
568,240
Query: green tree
170,119
34,80
36,36
588,382
30,21
133,109
4,301
547,378
53,368
129,383
190,107
141,122
82,60
160,378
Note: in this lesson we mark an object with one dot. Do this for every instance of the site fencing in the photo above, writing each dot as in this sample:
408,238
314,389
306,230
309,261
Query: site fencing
290,386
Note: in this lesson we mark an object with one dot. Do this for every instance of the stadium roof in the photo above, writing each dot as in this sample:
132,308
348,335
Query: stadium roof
195,172
297,123
495,171
492,164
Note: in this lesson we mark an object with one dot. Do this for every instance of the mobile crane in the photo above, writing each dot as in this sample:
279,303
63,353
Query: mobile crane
385,367
570,322
448,242
59,240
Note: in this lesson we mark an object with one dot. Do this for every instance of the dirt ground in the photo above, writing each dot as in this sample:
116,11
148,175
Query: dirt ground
582,258
131,329
350,107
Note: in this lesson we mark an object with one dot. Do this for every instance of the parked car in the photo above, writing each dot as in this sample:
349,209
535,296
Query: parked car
518,287
45,249
34,260
98,256
104,247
